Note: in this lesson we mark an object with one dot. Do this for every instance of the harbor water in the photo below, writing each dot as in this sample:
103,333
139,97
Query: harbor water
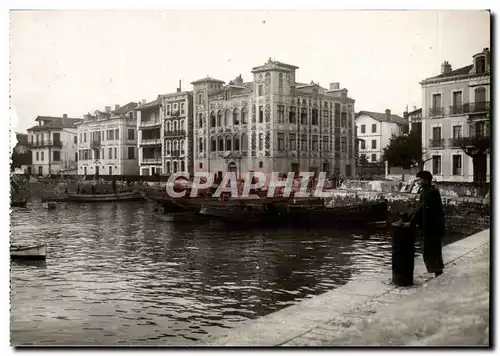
116,274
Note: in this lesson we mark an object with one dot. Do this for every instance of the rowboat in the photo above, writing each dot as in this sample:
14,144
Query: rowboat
105,197
30,252
50,205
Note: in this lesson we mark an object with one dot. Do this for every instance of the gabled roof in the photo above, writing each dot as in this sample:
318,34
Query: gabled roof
150,105
382,117
125,108
459,71
53,122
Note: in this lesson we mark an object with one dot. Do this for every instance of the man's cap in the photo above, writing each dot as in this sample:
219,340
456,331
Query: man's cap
425,175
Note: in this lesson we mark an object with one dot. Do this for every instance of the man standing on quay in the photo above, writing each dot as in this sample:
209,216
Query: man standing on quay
430,218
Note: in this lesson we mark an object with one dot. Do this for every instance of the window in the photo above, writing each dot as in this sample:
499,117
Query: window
457,99
325,144
303,116
436,133
228,143
314,118
110,153
131,153
81,137
291,115
175,107
221,144
236,119
457,131
362,144
200,120
343,119
219,118
293,141
280,84
84,137
236,143
201,165
261,164
212,119
200,145
374,144
281,113
480,65
116,153
244,116
96,154
343,144
199,98
116,134
457,165
260,90
213,145
281,141
479,95
436,104
436,165
261,114
314,143
42,159
261,141
37,156
182,108
374,157
303,142
131,134
374,128
76,156
75,139
363,128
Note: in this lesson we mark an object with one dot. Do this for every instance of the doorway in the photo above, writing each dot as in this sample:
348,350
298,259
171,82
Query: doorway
110,170
40,170
232,167
84,171
152,170
97,171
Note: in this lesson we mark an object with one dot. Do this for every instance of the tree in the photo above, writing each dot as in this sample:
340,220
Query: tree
404,151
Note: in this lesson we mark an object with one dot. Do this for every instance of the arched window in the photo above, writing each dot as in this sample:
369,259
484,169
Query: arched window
236,143
236,119
169,126
168,167
183,167
261,141
244,142
229,143
244,116
182,147
175,167
176,146
200,145
182,125
227,119
212,119
200,120
213,145
221,144
176,125
219,118
169,147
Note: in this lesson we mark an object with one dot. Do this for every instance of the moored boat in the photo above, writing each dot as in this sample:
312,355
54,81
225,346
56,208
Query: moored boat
28,252
105,197
50,205
19,203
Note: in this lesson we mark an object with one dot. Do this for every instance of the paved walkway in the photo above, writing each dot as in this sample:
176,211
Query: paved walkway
449,310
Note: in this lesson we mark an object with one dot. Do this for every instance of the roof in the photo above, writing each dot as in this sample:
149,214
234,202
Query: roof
125,108
459,71
55,123
151,104
207,79
270,64
414,112
382,117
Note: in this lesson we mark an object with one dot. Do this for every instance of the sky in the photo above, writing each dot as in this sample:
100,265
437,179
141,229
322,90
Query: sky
74,62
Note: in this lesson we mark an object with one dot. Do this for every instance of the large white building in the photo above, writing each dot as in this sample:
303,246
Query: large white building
374,131
272,123
150,142
53,145
456,105
107,142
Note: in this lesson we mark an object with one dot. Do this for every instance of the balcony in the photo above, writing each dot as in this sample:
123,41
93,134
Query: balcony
175,133
95,144
151,160
150,141
176,153
46,143
477,107
436,112
150,123
454,142
457,110
436,143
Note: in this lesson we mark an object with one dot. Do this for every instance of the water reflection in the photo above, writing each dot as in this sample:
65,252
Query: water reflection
115,274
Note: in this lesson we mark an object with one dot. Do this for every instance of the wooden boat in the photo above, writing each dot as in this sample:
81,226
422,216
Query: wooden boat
28,252
19,202
105,197
290,215
50,205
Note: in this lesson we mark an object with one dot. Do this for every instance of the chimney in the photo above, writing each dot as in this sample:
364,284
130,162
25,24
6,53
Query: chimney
65,116
143,102
179,88
107,109
388,114
334,86
445,67
117,106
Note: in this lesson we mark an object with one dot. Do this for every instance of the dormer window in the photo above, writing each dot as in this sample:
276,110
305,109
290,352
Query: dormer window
480,64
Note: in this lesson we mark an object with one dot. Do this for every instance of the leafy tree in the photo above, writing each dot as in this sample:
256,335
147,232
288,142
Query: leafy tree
404,150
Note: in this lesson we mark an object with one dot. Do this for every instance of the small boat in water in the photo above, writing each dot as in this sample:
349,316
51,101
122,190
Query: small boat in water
28,252
50,205
19,203
105,197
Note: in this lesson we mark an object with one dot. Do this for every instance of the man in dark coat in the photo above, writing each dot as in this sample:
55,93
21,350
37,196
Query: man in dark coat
430,218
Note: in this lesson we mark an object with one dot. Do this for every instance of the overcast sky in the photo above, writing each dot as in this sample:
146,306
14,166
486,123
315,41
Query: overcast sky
77,61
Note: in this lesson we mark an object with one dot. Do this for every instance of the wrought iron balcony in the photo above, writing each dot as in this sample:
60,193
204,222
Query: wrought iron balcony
436,143
46,143
151,141
457,109
436,112
454,142
150,123
152,160
477,107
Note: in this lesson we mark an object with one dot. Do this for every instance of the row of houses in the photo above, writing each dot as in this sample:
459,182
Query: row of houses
271,123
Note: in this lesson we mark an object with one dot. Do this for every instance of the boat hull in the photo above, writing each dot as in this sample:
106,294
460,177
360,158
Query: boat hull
110,197
37,252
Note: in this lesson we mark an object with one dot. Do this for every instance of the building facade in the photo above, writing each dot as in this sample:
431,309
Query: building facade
107,142
272,124
414,119
53,145
177,110
374,131
150,132
456,105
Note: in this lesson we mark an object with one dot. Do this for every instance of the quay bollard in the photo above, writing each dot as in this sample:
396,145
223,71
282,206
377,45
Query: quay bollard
403,253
